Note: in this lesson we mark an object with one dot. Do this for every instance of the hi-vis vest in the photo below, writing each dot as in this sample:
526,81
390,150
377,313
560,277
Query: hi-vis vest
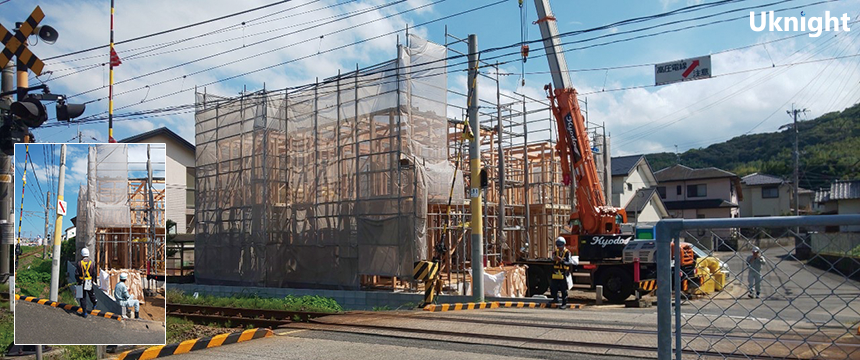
559,268
85,268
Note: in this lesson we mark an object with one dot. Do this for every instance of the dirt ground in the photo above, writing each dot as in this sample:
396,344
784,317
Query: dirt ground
153,308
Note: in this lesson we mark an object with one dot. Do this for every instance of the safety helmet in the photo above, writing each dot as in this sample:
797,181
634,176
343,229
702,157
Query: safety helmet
560,241
123,276
756,249
85,252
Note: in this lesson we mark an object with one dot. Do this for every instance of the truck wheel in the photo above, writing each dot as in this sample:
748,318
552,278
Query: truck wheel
538,280
617,285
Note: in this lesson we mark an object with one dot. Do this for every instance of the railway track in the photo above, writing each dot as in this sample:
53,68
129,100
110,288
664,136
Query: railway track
356,322
238,316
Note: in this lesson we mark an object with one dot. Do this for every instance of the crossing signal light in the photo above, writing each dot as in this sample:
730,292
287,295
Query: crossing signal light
67,112
31,112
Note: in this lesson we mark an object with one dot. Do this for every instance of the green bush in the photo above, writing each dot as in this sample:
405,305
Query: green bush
288,303
7,327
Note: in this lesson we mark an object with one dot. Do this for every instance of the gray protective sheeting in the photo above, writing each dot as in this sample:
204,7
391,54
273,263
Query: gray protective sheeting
318,186
103,202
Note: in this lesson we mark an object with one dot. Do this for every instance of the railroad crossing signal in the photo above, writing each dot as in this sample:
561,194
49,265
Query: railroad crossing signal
16,45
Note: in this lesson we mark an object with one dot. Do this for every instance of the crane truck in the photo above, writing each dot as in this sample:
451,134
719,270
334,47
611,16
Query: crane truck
607,257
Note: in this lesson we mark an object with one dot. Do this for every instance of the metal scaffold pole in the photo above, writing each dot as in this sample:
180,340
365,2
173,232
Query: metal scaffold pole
475,167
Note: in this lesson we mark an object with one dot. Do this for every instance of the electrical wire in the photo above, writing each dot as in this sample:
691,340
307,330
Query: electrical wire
184,27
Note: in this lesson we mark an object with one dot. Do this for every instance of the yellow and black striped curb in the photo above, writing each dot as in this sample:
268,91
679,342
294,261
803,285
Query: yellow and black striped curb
74,308
495,305
196,344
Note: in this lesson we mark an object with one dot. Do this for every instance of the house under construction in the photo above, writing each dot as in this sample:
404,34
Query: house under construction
346,183
121,210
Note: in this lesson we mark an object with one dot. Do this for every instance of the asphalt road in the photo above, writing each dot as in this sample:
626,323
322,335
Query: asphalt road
792,293
41,324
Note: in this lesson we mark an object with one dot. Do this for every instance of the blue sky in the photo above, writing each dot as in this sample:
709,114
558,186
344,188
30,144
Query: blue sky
745,96
43,174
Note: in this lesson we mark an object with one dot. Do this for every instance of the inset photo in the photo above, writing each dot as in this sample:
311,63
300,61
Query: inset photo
90,244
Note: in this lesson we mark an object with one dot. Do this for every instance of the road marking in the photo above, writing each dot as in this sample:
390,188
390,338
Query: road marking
290,332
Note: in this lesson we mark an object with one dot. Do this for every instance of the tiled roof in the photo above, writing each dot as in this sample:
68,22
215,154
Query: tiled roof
698,204
845,190
622,165
755,179
681,172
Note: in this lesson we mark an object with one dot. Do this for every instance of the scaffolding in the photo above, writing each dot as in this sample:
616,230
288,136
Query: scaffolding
323,186
121,214
345,183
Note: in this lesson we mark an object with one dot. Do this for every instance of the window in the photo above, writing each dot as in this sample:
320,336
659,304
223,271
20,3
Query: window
629,187
700,190
662,191
190,185
770,192
678,190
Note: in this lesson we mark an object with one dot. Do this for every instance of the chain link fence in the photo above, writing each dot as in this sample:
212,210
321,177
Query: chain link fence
780,287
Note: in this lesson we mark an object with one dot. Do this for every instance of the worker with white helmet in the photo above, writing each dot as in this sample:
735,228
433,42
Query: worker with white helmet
561,265
85,273
120,293
755,263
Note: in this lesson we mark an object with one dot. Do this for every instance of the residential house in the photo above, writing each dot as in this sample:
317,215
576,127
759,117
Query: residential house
768,195
701,193
180,175
634,187
843,197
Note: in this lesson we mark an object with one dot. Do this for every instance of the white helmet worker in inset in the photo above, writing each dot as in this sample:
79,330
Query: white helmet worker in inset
120,293
85,273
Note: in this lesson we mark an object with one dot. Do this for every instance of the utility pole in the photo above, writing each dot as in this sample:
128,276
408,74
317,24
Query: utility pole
58,227
47,224
793,113
7,231
477,221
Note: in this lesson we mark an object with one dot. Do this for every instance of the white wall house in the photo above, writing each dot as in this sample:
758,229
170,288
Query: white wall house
768,195
179,177
634,187
843,197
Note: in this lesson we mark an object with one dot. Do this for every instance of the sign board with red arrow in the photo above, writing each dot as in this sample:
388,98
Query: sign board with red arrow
682,70
61,207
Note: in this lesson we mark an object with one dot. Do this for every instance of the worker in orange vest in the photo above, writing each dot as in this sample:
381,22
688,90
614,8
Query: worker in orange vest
85,273
560,272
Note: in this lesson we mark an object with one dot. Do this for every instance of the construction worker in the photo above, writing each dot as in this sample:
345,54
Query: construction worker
755,263
562,262
120,293
85,273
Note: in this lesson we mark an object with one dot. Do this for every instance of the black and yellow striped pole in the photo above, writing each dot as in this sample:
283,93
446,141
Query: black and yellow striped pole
476,219
110,90
21,213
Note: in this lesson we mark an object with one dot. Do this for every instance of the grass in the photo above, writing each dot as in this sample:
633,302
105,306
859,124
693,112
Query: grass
7,327
288,303
79,352
176,327
32,280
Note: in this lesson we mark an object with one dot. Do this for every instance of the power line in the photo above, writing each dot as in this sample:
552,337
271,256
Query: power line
169,31
629,21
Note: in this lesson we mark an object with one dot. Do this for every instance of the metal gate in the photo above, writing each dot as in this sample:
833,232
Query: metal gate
799,298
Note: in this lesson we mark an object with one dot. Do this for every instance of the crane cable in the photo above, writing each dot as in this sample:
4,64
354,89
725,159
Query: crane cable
524,48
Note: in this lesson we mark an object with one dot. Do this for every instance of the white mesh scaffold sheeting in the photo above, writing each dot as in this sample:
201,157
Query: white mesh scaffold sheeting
319,186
